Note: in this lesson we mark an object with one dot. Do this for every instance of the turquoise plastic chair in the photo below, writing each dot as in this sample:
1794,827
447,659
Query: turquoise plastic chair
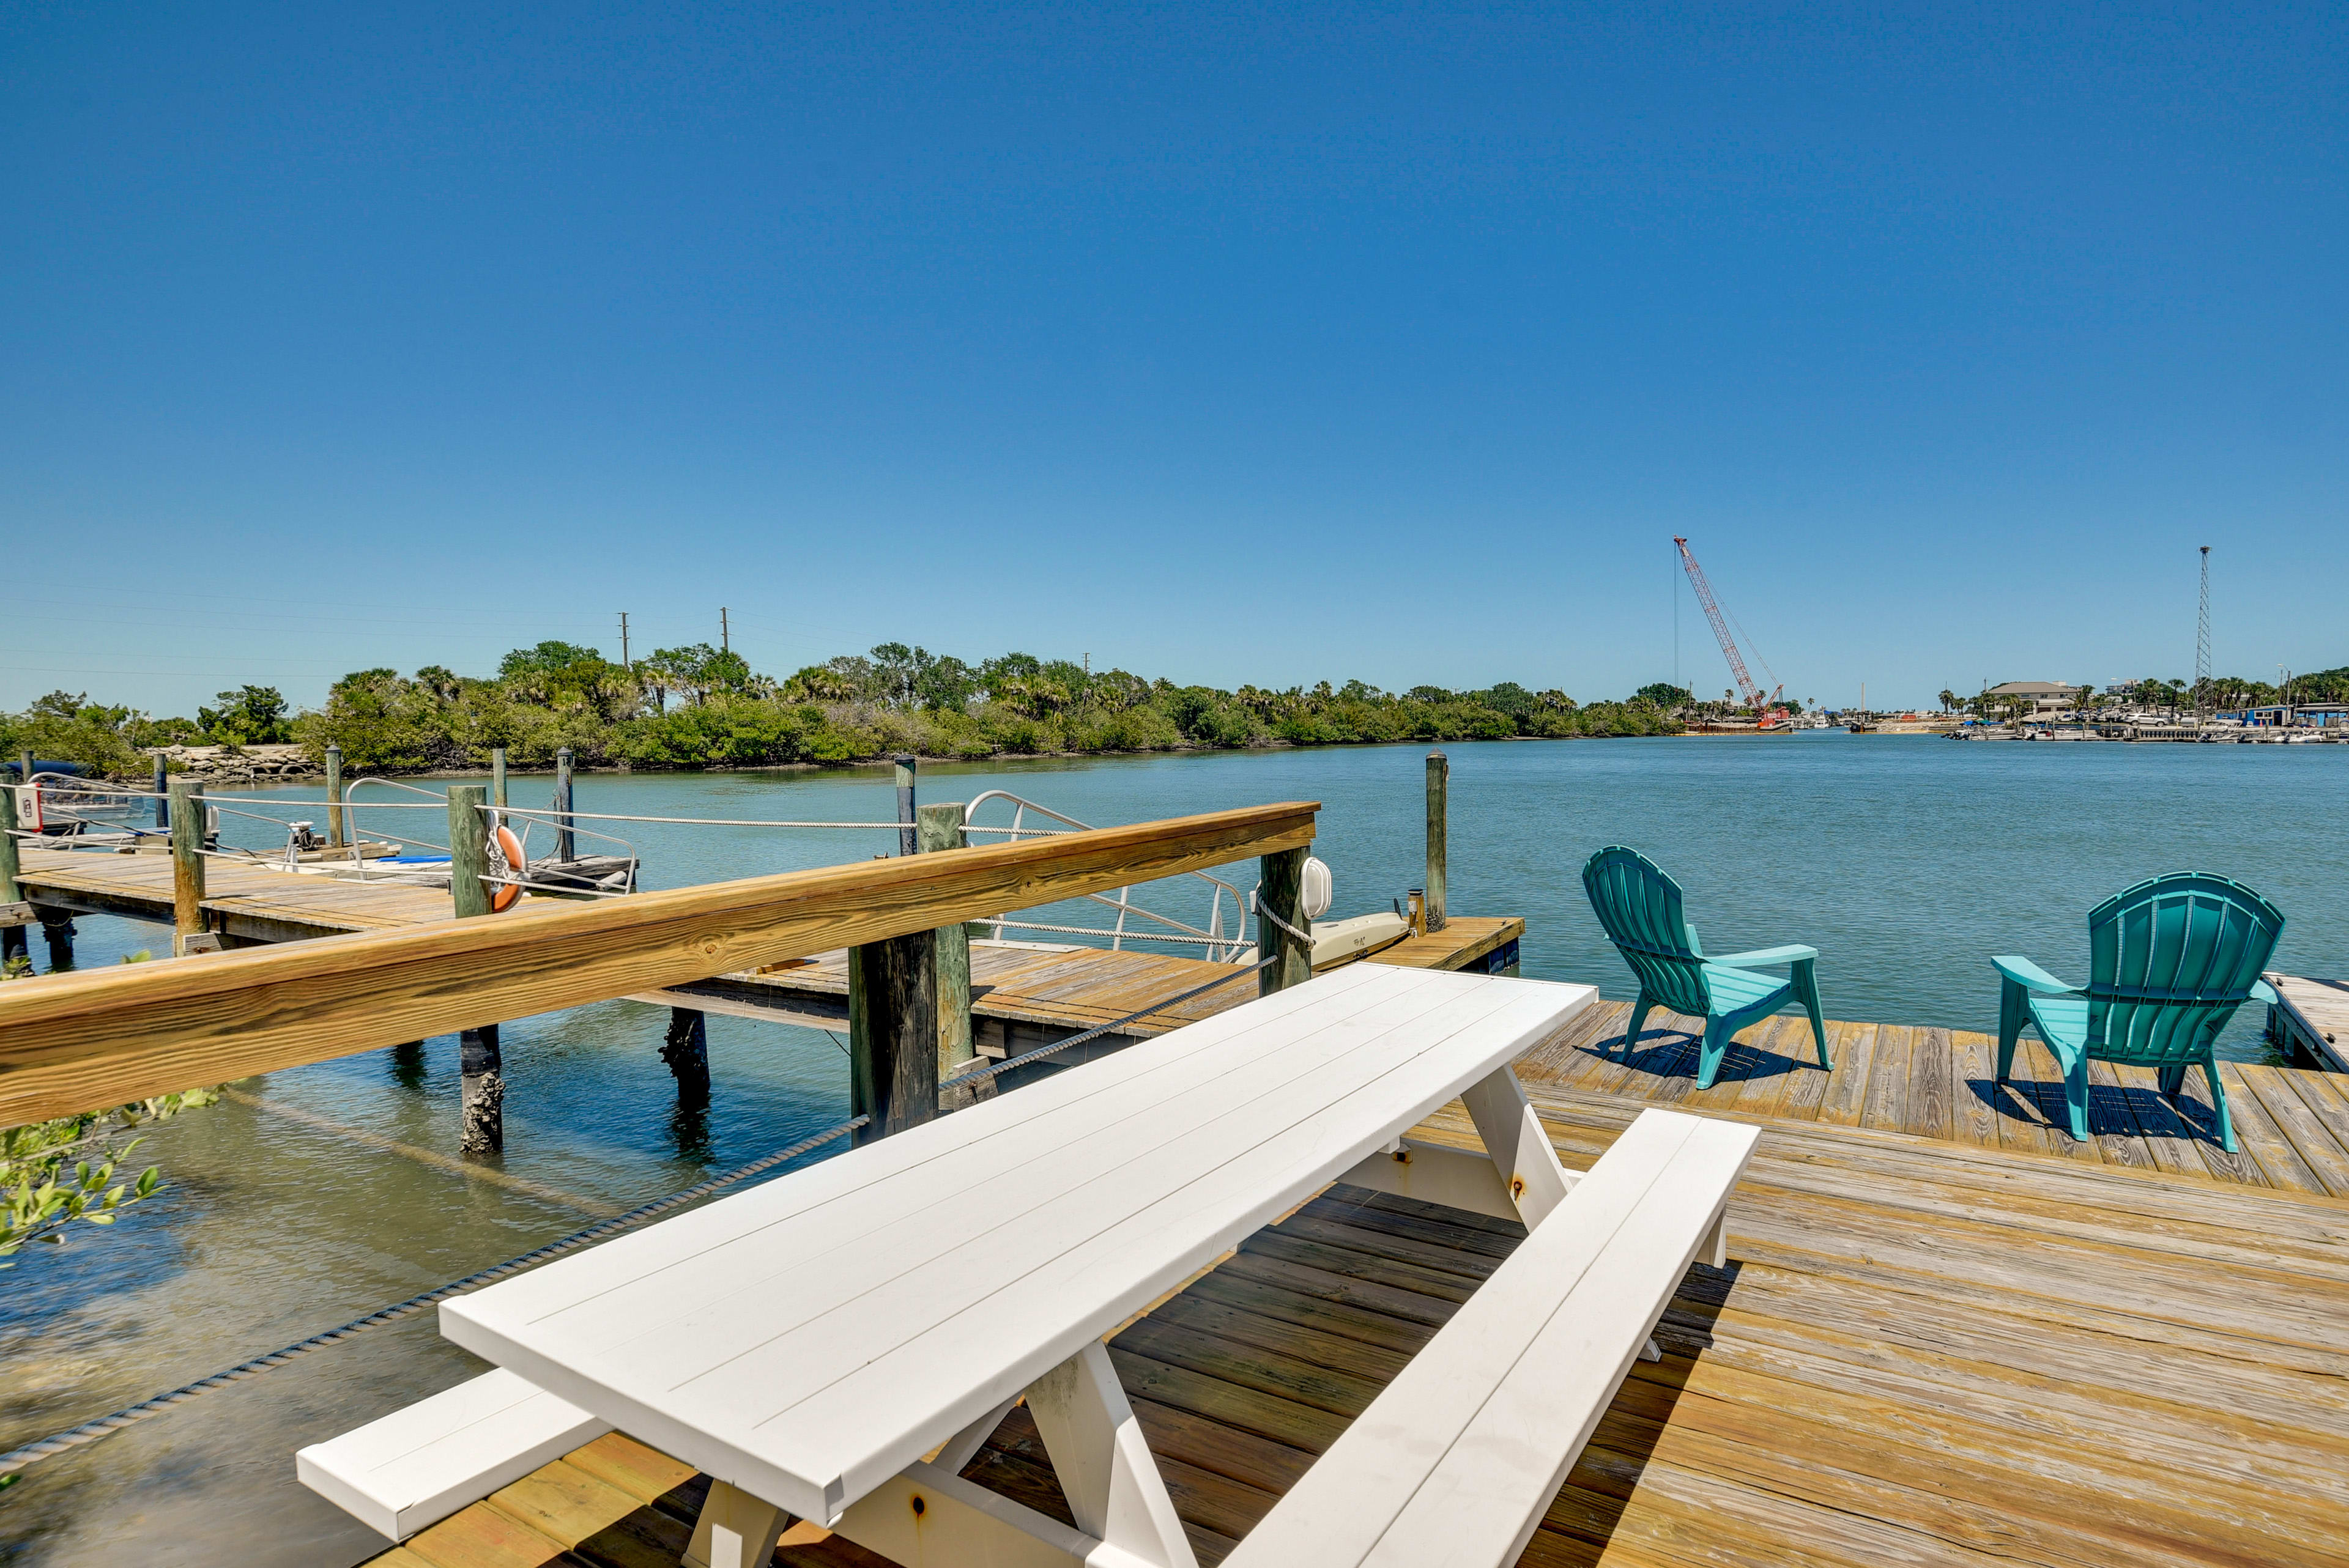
1640,909
2169,961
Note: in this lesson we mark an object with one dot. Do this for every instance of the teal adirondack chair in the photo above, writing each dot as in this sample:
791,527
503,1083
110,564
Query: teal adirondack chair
2169,961
1639,907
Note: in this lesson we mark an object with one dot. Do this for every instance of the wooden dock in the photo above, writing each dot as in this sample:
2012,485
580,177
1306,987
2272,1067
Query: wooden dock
1026,995
2312,1017
245,904
1922,1353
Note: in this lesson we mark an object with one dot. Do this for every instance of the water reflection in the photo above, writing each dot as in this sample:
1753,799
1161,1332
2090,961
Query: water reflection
407,1063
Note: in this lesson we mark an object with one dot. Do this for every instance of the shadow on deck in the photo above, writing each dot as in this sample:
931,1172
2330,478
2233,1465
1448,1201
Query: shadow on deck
2292,1126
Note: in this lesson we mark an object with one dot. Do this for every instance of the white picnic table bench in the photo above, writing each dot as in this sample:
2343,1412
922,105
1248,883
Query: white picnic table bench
838,1344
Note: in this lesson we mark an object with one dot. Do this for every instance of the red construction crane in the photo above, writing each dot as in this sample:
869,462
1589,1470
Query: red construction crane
1751,693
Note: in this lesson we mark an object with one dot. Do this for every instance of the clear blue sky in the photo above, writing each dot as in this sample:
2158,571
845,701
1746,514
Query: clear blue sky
1225,343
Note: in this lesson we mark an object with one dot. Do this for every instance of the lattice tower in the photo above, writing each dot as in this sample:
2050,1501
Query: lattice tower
2202,641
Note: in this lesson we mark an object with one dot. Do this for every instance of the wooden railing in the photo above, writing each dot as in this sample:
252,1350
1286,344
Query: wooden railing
85,1041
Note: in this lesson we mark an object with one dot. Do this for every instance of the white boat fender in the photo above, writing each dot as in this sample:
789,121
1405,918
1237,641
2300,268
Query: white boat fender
1314,890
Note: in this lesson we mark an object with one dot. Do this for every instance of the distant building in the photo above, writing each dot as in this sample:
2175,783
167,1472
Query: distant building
2045,696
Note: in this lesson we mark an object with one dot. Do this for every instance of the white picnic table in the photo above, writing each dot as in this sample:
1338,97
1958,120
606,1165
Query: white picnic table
809,1343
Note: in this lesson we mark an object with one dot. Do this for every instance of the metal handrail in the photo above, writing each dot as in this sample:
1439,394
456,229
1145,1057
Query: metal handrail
1220,948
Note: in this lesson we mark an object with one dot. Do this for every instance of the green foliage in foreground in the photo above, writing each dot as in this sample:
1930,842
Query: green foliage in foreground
700,706
42,1194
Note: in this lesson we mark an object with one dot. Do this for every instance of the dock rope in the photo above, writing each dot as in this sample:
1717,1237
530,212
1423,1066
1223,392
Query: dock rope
106,1425
1256,908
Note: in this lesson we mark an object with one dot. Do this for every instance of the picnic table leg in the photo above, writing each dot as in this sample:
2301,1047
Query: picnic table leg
1112,1482
1520,1149
735,1529
1522,1153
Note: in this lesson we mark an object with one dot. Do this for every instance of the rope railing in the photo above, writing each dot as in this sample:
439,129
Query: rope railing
697,822
1164,927
106,1425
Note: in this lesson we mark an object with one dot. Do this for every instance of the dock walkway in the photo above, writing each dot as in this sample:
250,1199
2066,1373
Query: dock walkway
1921,1353
2292,1126
247,903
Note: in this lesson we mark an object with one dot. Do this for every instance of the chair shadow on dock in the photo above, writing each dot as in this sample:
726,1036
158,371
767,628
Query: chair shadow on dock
1667,1051
2291,1125
2115,1109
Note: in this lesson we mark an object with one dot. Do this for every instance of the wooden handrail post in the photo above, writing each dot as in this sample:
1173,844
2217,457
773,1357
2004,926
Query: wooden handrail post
479,1063
162,786
468,851
941,828
334,796
1280,882
563,844
498,776
187,799
12,937
1439,779
908,836
892,1032
10,892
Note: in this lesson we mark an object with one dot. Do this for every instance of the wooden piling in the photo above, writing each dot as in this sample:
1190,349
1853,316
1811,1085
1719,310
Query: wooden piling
481,1064
1279,884
58,931
908,837
1439,779
892,1032
940,827
187,802
563,845
334,797
468,851
12,937
686,1050
162,787
498,776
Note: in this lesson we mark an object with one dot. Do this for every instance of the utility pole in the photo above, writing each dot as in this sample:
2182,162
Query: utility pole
626,663
724,633
2202,642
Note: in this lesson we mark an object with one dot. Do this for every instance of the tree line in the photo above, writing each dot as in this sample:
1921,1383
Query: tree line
2220,693
700,706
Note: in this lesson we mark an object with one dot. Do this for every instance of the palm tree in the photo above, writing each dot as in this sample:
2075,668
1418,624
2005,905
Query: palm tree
1949,699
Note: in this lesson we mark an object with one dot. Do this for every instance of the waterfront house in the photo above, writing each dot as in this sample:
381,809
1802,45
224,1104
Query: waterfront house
2045,696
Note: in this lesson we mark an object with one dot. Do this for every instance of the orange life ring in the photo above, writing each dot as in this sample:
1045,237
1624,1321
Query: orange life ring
505,897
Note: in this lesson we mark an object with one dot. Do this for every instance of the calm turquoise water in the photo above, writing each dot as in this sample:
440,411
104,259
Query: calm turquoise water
1905,860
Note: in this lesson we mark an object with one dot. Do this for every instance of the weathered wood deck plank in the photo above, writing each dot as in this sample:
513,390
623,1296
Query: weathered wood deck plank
1925,1352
